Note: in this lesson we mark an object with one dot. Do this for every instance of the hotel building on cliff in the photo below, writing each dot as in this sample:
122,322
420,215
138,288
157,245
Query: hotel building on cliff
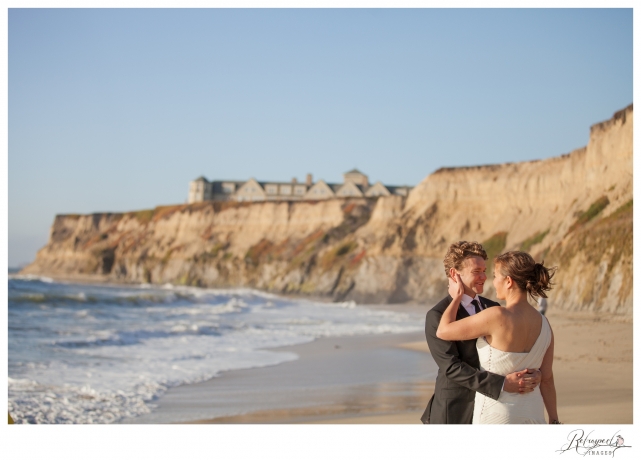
355,184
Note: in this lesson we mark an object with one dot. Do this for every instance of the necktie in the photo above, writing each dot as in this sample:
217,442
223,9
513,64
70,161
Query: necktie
477,308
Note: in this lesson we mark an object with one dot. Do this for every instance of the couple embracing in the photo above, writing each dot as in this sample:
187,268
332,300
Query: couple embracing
494,364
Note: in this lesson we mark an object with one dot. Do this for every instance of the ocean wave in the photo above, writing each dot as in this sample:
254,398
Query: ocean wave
33,403
47,298
125,299
125,338
348,304
42,279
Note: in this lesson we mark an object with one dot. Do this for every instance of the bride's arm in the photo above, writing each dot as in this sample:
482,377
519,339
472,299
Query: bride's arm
548,391
467,328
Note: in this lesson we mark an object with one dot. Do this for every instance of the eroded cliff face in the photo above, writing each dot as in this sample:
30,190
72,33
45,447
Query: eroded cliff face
574,211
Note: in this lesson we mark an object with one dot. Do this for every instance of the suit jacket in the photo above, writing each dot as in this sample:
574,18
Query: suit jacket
459,377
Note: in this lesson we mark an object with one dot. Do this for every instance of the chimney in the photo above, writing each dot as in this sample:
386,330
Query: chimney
294,180
308,181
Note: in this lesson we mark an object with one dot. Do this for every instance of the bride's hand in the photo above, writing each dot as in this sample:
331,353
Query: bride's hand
455,287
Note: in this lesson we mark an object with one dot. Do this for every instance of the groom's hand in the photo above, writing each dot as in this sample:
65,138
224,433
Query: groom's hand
523,381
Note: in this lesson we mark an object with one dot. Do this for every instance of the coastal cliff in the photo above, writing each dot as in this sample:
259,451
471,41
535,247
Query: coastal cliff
573,211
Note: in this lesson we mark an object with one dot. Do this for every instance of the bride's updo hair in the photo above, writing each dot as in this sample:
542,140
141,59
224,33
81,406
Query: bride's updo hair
529,276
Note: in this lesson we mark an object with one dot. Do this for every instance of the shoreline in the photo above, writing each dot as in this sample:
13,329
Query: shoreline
332,377
592,370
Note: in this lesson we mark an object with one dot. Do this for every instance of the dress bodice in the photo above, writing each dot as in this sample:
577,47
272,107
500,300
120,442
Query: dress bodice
512,407
506,362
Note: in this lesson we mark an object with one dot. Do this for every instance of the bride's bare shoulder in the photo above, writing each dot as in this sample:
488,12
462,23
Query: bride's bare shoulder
496,312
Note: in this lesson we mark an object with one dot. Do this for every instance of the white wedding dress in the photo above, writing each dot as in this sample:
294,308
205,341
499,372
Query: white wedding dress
512,407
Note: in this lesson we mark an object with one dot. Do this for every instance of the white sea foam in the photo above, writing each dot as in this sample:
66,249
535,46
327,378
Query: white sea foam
43,279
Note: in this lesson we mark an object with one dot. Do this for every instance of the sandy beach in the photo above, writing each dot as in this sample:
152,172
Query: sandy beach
388,379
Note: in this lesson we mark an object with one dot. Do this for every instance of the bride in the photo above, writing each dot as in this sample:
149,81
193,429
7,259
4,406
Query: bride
509,339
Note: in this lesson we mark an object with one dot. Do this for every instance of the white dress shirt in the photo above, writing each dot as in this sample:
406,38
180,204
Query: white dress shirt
466,301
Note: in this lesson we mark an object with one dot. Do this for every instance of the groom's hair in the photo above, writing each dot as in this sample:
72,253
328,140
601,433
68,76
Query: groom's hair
458,252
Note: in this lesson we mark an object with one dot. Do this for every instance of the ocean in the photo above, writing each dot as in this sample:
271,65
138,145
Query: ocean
81,353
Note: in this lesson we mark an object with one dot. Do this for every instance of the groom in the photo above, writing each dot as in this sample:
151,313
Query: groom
459,377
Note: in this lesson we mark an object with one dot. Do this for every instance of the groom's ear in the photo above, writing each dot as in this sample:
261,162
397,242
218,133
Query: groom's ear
452,273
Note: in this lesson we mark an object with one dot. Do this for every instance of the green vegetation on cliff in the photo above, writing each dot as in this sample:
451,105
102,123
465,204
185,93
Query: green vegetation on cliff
595,208
495,245
534,239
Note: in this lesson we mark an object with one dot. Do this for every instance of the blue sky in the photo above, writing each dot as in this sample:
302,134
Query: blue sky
117,110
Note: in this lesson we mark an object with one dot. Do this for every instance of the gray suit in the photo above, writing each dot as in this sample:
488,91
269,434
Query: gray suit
459,377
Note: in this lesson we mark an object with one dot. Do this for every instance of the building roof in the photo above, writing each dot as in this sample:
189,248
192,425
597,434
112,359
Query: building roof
262,184
218,189
354,171
394,188
398,186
